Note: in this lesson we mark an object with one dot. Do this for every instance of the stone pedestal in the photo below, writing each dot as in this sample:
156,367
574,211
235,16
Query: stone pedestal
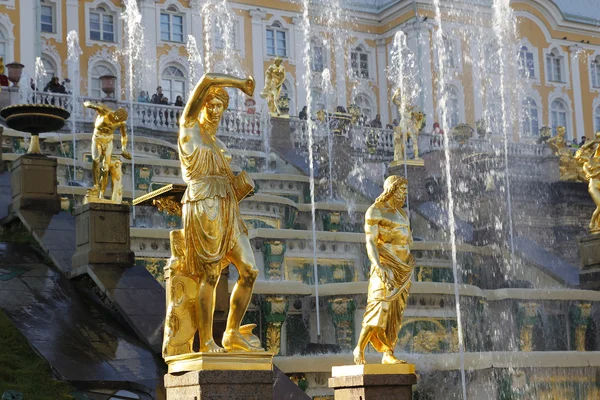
373,382
103,236
589,253
281,133
33,183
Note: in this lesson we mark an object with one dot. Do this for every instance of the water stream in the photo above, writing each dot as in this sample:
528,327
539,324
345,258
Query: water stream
73,54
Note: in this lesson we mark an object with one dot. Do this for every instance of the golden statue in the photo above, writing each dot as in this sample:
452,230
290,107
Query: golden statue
589,157
410,125
103,161
389,239
274,78
213,233
570,168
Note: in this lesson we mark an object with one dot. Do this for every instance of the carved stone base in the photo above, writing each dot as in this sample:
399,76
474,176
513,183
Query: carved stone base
373,381
258,361
220,384
589,253
33,182
103,236
281,134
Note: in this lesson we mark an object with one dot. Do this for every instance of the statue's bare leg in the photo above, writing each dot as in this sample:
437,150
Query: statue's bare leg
363,339
389,358
96,153
242,257
106,167
206,311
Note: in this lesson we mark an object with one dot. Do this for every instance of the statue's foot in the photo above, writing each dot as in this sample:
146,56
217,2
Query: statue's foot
359,357
211,347
389,358
234,341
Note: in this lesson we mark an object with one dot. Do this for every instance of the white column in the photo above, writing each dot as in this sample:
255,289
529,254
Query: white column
148,10
301,77
73,17
419,42
382,81
340,73
576,82
30,35
258,55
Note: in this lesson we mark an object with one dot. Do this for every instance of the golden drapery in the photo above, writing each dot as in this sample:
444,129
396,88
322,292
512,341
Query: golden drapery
210,214
386,305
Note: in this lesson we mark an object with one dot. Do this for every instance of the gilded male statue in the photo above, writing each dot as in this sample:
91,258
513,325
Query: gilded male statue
214,233
569,168
388,239
589,158
411,121
274,78
106,123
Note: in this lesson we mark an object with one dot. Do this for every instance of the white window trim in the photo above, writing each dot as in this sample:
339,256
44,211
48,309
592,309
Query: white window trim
187,22
175,59
326,52
371,51
239,45
461,104
50,52
117,93
118,24
565,65
109,58
290,41
535,96
10,4
595,104
7,28
536,61
458,52
595,56
558,95
57,21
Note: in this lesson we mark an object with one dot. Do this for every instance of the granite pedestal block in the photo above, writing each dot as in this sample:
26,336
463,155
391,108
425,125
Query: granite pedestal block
33,184
281,133
373,382
103,236
589,252
220,385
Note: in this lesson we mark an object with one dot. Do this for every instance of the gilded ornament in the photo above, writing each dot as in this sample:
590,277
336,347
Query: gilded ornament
412,121
589,157
389,241
570,168
168,204
273,337
274,78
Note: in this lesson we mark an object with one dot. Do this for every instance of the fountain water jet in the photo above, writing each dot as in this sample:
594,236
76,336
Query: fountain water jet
73,54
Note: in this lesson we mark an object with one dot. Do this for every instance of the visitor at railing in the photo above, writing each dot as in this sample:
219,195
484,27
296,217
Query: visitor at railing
143,97
376,123
303,114
583,140
437,136
179,102
54,86
67,85
158,96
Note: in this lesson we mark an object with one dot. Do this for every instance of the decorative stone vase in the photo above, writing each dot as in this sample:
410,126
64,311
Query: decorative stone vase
462,133
15,70
108,84
284,104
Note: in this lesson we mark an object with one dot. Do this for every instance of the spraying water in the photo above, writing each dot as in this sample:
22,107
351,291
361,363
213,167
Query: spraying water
327,90
195,61
73,54
40,76
441,56
306,28
219,21
134,53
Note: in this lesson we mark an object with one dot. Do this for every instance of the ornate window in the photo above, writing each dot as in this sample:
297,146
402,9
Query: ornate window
49,68
364,104
359,62
98,70
558,115
526,63
595,70
451,50
173,82
276,40
102,25
554,66
452,107
47,17
597,118
171,25
530,125
317,51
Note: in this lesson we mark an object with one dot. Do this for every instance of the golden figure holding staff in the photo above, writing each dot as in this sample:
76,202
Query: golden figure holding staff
214,233
102,146
274,78
389,239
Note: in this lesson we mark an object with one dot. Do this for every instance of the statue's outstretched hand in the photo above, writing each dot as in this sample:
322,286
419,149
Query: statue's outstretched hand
248,86
87,103
126,155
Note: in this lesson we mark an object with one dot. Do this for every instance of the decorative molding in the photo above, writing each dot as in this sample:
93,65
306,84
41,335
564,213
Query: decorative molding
57,35
173,57
109,57
566,67
118,24
49,51
7,28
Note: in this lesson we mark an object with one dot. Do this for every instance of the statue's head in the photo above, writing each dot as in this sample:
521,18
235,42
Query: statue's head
597,136
277,61
119,115
561,130
395,190
216,102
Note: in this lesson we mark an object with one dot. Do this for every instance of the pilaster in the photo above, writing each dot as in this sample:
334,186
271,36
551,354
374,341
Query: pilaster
30,35
73,16
578,104
274,254
342,313
301,73
258,54
275,310
382,81
340,73
527,318
148,9
580,315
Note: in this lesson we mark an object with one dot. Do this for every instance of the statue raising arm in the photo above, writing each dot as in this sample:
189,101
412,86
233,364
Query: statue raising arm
99,108
191,111
397,98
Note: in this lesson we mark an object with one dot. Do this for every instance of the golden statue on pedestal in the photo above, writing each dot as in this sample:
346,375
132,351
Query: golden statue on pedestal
213,233
274,78
103,160
410,125
389,239
570,168
589,157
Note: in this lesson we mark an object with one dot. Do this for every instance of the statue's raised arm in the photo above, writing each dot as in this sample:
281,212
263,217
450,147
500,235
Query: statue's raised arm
191,111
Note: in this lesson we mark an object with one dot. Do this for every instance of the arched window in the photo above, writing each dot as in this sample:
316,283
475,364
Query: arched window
173,83
526,63
493,114
364,104
554,66
452,107
597,118
317,51
529,118
98,70
558,115
359,62
49,67
595,70
276,40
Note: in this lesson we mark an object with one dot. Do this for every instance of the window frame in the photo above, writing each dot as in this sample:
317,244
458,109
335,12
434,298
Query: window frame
52,6
596,116
567,112
355,102
171,11
117,23
314,43
277,27
360,51
594,71
56,6
173,78
92,77
527,105
553,53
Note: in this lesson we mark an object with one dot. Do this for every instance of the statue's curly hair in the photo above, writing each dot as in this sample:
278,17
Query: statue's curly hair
217,92
121,114
391,184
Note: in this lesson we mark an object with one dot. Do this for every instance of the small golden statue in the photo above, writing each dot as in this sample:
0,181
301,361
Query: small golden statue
214,233
410,125
103,160
389,239
570,168
274,78
589,157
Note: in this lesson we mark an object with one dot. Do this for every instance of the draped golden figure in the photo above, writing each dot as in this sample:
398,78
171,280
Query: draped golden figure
389,239
214,233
